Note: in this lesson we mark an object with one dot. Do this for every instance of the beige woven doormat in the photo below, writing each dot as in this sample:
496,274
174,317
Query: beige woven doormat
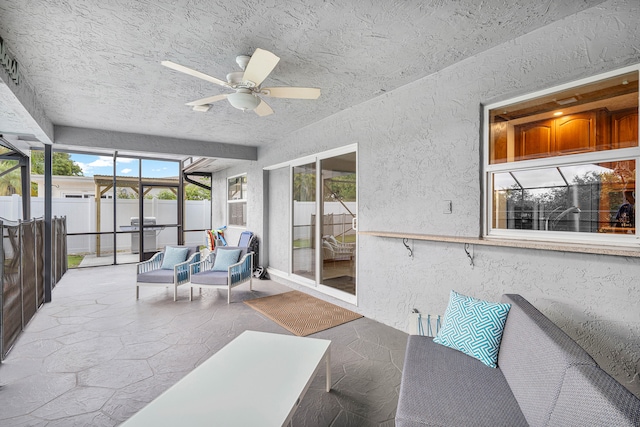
302,314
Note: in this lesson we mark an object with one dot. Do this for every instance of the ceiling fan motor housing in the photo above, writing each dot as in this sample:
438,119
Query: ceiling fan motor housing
244,100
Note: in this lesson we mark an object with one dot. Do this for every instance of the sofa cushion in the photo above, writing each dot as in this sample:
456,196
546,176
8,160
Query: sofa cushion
225,259
156,276
210,278
534,357
174,255
590,397
444,387
473,327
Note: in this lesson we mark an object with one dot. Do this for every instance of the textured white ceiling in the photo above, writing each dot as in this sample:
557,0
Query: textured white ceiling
96,63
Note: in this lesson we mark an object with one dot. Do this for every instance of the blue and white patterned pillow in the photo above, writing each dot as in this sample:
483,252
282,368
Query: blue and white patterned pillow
474,327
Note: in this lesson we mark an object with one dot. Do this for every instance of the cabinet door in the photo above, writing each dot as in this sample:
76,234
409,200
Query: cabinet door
576,133
534,140
624,128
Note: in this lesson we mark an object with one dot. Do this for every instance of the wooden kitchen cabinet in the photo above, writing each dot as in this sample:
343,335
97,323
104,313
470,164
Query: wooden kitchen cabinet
570,134
624,128
534,140
575,133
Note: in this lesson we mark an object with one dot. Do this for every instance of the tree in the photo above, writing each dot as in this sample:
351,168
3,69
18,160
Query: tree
304,186
61,164
340,188
193,192
10,183
125,193
166,195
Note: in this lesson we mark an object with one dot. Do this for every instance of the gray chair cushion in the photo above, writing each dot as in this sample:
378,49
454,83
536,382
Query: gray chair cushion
590,397
209,278
444,387
156,276
534,356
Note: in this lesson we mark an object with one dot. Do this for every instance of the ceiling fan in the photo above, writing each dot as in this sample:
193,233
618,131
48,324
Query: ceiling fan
246,84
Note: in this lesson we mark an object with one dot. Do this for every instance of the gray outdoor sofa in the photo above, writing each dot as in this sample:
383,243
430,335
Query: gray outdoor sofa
543,378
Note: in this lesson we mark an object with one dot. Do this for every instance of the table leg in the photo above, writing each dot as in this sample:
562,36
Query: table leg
328,358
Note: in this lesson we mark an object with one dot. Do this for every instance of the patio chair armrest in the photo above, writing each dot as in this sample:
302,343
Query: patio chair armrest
151,264
181,271
241,270
202,265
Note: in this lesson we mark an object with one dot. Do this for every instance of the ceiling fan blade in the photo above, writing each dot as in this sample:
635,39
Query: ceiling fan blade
263,109
208,100
291,92
260,65
193,73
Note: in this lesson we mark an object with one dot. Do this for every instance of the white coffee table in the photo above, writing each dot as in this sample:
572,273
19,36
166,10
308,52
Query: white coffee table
258,379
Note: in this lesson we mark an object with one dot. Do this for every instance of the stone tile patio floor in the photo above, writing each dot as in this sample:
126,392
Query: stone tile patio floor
94,356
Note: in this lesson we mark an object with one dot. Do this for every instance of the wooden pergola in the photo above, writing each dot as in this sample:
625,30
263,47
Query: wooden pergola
104,183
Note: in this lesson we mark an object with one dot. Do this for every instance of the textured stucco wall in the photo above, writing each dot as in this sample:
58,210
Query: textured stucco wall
420,144
255,200
279,219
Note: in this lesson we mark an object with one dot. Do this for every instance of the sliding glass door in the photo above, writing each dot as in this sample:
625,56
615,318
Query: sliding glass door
324,209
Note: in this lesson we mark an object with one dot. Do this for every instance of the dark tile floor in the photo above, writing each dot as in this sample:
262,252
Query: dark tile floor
94,356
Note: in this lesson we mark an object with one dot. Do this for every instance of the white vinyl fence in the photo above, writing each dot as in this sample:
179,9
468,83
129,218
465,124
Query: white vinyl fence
337,221
82,218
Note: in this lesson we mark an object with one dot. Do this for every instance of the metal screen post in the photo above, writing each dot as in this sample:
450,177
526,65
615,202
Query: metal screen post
48,253
21,270
2,293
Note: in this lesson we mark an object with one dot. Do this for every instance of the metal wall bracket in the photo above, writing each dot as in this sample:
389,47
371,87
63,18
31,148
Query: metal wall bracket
404,242
466,249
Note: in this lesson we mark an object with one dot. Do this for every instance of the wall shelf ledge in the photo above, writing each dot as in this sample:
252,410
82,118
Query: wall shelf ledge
523,244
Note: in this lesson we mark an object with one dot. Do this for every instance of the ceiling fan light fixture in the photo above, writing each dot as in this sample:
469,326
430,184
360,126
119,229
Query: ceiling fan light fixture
243,100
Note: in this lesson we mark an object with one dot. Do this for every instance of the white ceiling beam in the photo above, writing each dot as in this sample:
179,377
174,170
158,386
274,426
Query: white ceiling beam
22,112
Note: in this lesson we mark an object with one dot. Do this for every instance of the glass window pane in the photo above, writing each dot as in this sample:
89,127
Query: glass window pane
238,214
598,116
592,198
339,196
304,220
237,188
536,178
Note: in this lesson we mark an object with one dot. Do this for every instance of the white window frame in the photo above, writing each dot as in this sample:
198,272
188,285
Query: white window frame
243,200
632,153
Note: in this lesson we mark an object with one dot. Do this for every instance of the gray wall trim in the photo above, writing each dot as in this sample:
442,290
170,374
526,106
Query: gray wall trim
84,137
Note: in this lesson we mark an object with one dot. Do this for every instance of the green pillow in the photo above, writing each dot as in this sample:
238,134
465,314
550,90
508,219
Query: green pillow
474,327
225,258
173,256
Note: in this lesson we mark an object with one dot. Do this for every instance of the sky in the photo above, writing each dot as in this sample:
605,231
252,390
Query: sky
103,165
